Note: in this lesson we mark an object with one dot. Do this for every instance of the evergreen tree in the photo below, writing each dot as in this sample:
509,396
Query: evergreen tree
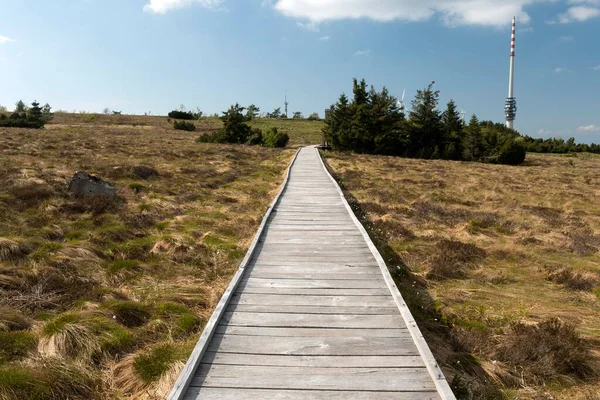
452,126
426,132
473,142
252,112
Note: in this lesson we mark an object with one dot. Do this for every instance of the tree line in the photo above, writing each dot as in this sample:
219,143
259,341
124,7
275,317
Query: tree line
373,122
559,145
27,117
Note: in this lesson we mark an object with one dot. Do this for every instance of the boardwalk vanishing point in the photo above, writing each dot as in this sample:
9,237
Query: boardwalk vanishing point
312,312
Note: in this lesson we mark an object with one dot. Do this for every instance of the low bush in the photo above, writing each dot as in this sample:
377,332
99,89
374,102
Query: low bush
274,138
184,126
571,279
548,350
511,153
175,114
453,259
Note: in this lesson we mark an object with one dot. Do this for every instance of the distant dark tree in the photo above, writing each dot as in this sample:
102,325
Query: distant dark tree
175,114
298,115
426,121
20,107
23,117
235,129
106,111
473,143
116,112
276,113
3,109
252,112
452,127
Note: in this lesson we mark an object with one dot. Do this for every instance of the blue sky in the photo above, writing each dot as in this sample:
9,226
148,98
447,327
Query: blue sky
153,55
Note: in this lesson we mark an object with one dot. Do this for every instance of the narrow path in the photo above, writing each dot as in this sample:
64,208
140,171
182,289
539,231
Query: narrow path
314,314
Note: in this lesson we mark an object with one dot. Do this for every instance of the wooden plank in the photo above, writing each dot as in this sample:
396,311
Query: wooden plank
253,282
319,292
326,361
313,321
308,332
276,308
197,393
315,345
328,301
351,379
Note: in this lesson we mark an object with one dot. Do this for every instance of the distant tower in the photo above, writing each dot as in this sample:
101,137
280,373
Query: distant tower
510,108
286,105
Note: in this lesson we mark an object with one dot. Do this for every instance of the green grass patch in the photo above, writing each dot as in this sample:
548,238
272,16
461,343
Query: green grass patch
59,323
150,365
19,383
120,265
74,235
136,187
162,226
16,345
45,250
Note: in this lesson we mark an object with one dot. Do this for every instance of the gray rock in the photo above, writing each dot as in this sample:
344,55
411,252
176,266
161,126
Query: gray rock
83,184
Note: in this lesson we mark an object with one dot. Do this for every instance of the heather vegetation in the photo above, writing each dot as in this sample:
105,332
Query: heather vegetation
499,265
104,298
373,123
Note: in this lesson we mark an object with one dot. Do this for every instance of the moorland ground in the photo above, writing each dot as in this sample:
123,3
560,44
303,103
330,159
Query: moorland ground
499,264
103,299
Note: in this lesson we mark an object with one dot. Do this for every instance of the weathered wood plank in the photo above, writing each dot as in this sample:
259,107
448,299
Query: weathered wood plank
254,282
351,379
318,292
313,321
325,361
308,332
197,393
329,301
277,308
315,345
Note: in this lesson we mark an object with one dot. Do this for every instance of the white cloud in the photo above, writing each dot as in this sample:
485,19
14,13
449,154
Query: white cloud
4,39
543,132
309,26
362,53
162,6
589,128
324,38
558,70
564,39
579,14
596,68
452,12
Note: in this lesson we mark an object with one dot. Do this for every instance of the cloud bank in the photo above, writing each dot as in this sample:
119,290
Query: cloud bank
451,12
4,39
162,6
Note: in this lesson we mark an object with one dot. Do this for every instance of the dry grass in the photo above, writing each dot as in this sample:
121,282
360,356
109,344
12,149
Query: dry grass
488,256
89,279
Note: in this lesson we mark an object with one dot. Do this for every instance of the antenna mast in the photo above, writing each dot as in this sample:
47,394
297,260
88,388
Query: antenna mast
510,108
286,105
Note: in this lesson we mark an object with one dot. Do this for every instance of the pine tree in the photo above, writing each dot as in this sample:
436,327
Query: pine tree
425,119
452,126
473,142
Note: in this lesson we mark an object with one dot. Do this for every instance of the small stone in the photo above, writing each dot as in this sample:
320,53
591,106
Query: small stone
83,184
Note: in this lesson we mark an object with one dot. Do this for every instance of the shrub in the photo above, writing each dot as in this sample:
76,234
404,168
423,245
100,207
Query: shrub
184,126
255,138
547,350
235,129
175,114
571,279
511,153
273,138
453,259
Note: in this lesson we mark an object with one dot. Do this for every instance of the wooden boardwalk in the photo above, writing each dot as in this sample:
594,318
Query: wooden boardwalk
312,313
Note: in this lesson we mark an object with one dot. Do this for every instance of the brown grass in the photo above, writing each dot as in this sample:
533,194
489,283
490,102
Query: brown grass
488,257
185,214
